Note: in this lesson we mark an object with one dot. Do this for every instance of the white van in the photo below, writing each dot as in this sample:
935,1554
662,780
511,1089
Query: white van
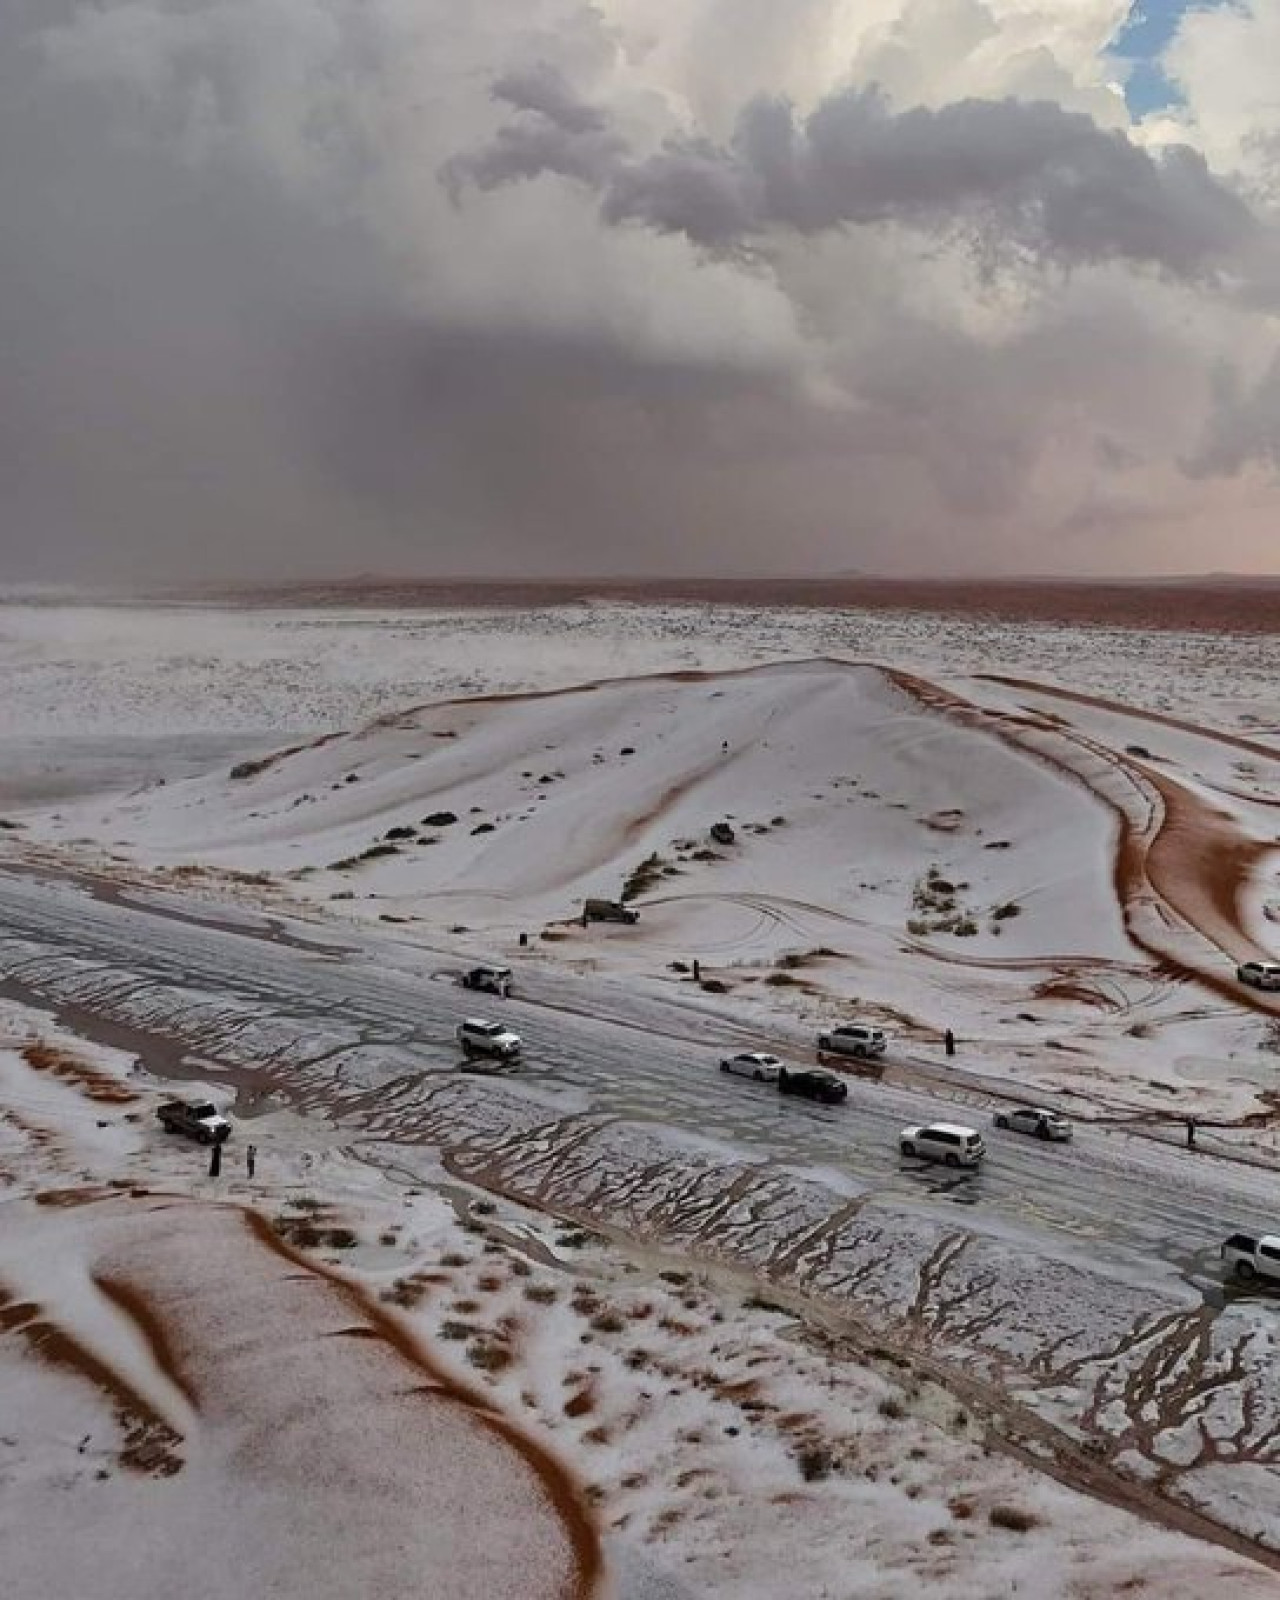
948,1142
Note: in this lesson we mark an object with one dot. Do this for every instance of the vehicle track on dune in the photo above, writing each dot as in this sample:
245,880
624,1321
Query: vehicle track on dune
1163,719
1180,868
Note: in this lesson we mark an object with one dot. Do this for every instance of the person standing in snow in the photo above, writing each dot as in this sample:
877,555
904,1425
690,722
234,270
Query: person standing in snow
949,1042
215,1159
251,1158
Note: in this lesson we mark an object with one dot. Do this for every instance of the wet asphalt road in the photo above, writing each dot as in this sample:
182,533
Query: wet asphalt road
617,1050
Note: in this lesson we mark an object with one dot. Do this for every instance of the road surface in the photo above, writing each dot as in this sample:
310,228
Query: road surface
185,983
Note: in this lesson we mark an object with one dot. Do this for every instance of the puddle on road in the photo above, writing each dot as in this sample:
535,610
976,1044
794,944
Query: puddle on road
163,1060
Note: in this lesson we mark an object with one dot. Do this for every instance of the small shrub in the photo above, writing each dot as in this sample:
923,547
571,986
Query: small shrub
452,1329
608,1322
483,1208
892,1408
542,1294
341,1239
643,877
815,1462
781,980
376,850
399,833
1009,909
250,769
454,1259
1013,1518
404,1292
490,1357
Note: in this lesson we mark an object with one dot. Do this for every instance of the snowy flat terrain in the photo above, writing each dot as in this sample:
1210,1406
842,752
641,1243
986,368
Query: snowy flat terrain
259,848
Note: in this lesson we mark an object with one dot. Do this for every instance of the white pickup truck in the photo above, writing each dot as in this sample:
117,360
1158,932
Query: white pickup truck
197,1119
1252,1256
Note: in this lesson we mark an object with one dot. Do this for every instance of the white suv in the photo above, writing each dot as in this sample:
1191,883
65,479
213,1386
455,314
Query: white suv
1038,1121
488,1039
1259,974
858,1039
947,1142
1251,1255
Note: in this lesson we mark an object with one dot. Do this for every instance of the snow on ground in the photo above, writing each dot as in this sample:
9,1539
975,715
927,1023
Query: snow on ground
78,668
1034,867
180,1355
183,1405
1057,841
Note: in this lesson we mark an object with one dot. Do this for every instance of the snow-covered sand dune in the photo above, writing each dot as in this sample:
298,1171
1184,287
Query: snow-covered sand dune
249,1425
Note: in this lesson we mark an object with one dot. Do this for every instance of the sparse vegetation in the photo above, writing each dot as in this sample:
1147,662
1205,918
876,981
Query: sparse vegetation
250,769
1013,1518
574,1239
643,877
816,1462
490,1357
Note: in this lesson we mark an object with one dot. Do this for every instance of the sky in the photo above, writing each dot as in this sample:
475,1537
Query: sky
296,288
1141,42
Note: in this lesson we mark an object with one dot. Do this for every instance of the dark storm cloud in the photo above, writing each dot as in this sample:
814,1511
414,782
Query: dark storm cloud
1025,176
1244,426
246,331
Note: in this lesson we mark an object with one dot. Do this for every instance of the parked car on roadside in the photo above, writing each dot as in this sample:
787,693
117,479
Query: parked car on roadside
196,1118
1259,974
755,1064
858,1039
608,911
811,1085
948,1142
1038,1121
1252,1255
489,1039
493,980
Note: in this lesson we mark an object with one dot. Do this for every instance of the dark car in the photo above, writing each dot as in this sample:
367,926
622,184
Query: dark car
824,1086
